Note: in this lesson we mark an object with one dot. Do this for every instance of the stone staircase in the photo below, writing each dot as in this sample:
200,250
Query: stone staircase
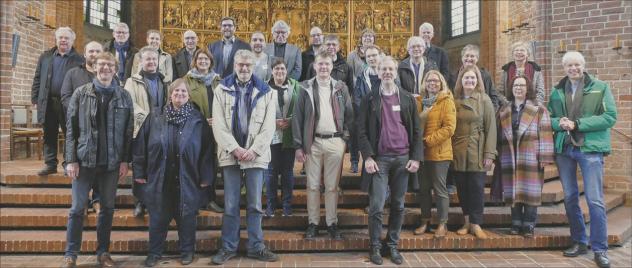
34,212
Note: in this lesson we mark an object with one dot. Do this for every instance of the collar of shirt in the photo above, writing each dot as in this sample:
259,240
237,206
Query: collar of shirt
230,41
57,53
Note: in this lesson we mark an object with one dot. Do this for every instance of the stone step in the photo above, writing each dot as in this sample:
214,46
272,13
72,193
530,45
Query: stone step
551,193
29,218
135,241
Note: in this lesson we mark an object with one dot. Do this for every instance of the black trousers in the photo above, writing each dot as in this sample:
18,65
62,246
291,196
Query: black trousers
55,117
470,188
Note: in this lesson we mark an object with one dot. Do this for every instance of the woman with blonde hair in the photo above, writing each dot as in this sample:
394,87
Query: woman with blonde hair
438,118
522,66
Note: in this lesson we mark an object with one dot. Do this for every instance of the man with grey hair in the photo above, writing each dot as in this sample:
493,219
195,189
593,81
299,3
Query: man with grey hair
123,49
182,59
244,108
51,70
435,53
412,69
279,48
583,111
307,57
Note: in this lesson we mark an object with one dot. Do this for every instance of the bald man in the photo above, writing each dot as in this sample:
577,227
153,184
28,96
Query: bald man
182,59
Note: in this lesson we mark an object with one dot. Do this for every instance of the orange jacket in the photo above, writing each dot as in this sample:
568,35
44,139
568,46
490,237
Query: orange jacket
439,122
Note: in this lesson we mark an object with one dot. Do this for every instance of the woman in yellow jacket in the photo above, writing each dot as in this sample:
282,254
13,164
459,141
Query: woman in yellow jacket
438,117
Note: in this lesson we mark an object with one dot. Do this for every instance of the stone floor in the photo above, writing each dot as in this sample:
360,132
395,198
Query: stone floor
619,257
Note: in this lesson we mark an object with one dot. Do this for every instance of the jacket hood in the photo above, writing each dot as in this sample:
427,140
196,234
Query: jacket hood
562,83
536,67
139,78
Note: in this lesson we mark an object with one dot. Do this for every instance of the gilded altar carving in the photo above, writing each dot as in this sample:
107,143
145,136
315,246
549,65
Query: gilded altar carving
391,20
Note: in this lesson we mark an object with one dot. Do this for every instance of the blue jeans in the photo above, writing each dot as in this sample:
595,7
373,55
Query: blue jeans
107,182
392,173
523,215
591,166
282,164
231,220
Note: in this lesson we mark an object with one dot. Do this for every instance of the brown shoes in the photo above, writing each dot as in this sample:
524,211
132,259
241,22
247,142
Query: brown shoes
478,231
465,229
423,228
69,262
441,231
105,260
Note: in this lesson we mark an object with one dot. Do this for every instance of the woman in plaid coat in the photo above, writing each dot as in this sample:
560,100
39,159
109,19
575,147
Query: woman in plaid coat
525,143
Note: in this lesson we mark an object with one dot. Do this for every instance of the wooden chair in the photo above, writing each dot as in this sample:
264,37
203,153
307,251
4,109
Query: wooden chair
23,131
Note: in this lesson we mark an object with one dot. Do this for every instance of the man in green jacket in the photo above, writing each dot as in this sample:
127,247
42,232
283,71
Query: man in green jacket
582,112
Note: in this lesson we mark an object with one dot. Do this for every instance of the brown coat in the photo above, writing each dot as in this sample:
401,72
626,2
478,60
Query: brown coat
475,136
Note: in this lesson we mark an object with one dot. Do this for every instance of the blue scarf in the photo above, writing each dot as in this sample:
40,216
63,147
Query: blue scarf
100,88
121,49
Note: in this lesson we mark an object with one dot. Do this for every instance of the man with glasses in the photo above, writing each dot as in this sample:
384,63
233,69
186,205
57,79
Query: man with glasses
341,70
290,54
307,57
224,50
412,69
123,49
182,59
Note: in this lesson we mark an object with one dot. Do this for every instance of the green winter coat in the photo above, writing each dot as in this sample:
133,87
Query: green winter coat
599,114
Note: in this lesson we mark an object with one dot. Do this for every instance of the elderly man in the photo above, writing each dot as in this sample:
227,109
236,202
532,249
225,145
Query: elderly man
149,93
582,112
224,50
263,61
182,59
307,57
469,57
97,152
123,49
164,63
435,53
291,54
412,70
321,124
52,67
244,108
390,141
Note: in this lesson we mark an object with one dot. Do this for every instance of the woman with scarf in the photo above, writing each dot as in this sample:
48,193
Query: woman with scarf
521,66
282,149
438,118
201,80
525,141
172,156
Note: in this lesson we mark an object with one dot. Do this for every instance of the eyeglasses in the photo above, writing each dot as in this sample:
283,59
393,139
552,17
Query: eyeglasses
280,32
432,81
120,32
228,25
316,35
106,64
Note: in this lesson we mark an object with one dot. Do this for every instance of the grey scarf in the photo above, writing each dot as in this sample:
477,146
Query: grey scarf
574,111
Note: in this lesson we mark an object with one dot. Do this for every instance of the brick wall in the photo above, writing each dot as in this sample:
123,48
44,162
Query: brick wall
594,24
15,86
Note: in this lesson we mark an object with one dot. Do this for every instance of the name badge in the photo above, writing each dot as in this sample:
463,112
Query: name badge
396,108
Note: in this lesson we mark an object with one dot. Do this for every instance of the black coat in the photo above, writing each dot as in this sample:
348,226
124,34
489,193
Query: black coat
43,76
307,58
129,60
196,160
74,78
180,65
341,71
440,56
369,125
407,75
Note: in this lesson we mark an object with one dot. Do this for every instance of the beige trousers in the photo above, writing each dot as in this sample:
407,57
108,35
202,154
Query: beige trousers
327,155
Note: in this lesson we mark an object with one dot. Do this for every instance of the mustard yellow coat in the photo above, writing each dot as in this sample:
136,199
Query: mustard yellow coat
440,122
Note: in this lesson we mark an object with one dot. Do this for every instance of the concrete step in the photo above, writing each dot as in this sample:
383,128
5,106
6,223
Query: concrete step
135,241
29,218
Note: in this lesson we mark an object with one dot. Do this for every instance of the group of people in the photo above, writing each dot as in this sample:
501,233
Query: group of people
248,111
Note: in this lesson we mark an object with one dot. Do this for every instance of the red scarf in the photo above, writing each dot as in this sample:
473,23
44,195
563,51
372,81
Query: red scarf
511,73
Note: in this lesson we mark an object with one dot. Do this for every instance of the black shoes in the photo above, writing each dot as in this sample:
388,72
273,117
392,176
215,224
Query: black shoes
515,230
151,260
212,206
312,231
47,171
528,231
575,250
263,255
375,256
139,210
186,258
354,167
396,257
601,259
333,232
222,256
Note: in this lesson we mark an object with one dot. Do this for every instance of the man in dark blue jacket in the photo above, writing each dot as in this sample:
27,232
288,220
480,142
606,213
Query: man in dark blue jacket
224,50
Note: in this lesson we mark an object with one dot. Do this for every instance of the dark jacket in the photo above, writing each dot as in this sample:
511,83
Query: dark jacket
82,131
407,75
440,56
129,59
306,114
217,49
488,84
196,160
74,78
370,123
44,75
307,58
180,65
341,71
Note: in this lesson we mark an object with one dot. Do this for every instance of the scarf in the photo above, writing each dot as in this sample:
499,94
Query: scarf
573,111
513,72
101,89
178,116
207,79
121,49
429,101
281,91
